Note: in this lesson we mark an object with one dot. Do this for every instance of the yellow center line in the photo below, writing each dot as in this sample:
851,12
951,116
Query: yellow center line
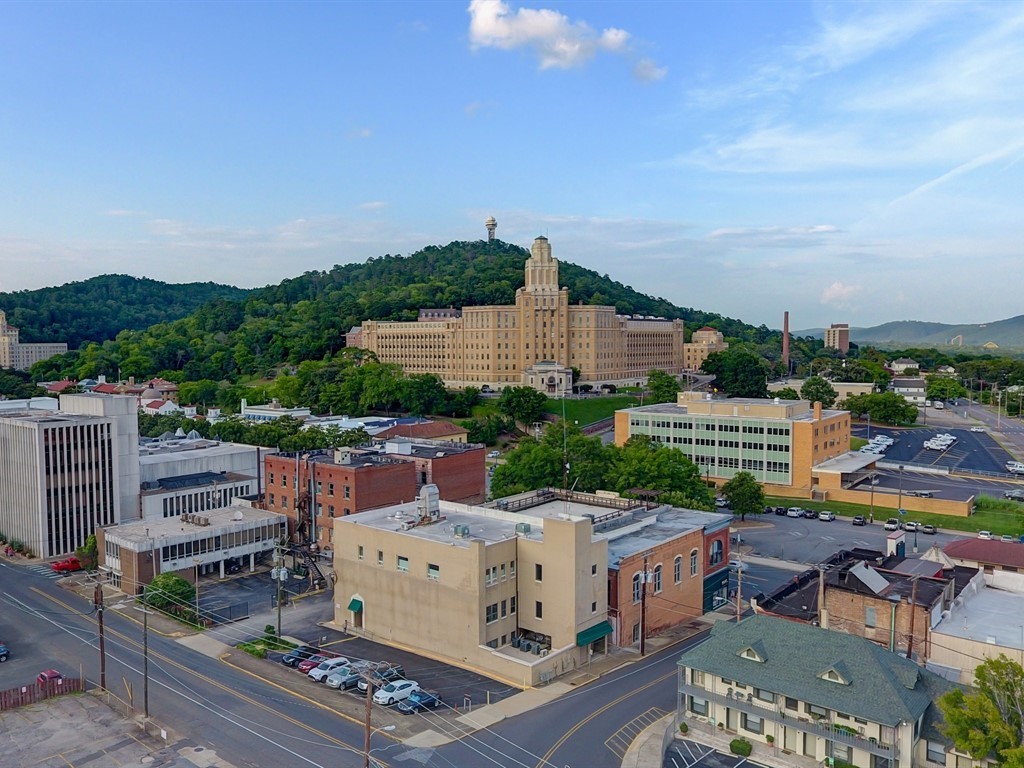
565,737
231,691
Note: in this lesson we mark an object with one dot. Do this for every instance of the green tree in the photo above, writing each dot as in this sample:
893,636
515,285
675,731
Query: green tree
524,404
739,373
944,388
745,495
662,387
644,463
169,592
586,458
87,554
786,393
818,390
989,720
422,394
530,466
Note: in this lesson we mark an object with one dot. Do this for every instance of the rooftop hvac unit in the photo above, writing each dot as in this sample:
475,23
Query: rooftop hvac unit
186,517
429,503
461,531
523,528
407,525
526,647
545,652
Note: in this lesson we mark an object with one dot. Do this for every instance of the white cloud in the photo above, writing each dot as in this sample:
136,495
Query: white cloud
839,294
372,205
775,237
557,41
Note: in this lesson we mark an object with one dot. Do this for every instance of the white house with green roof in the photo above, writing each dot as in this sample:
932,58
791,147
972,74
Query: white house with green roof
824,696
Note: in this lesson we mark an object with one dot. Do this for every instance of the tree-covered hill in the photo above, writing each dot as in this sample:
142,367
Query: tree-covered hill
305,318
99,308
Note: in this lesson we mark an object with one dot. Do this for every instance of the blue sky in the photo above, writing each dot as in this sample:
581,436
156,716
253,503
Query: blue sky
849,162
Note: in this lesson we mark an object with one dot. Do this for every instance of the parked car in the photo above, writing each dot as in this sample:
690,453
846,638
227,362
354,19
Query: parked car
1015,467
383,676
794,512
321,671
892,524
1007,539
859,520
827,515
977,429
927,528
909,525
295,655
49,677
419,701
346,677
986,535
67,565
780,510
493,454
396,690
1017,494
810,514
720,502
312,662
4,651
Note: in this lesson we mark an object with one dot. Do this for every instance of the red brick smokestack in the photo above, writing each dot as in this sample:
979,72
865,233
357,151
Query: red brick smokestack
785,342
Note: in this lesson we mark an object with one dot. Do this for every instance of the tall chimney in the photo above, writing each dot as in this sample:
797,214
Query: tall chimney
785,341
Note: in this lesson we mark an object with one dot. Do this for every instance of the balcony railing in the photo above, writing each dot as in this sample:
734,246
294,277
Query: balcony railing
744,702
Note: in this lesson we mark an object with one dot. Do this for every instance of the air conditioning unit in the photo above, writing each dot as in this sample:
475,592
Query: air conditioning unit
407,525
523,528
186,517
545,652
461,531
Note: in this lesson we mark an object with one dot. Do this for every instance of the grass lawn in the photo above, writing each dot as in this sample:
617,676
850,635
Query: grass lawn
997,515
856,443
590,409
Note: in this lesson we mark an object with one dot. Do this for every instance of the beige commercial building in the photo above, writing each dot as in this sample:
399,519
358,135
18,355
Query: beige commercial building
521,594
838,337
15,354
534,342
844,389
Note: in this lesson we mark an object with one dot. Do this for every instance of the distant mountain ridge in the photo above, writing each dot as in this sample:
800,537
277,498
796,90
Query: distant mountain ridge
101,307
1005,334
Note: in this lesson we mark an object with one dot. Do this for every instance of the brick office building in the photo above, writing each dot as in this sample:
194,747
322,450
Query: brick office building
344,481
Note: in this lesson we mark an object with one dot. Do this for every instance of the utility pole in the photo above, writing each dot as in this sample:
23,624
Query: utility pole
822,612
913,613
739,589
369,710
643,608
98,602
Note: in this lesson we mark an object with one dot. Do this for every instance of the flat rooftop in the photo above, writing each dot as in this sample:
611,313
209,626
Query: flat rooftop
143,532
678,409
657,526
167,451
195,480
989,613
41,416
851,461
490,525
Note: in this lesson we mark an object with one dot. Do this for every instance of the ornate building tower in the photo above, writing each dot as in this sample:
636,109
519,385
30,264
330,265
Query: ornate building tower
492,226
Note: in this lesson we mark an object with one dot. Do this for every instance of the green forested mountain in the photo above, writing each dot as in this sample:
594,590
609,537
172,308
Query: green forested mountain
1006,334
101,307
305,318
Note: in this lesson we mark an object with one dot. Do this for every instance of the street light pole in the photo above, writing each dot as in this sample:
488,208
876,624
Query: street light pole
145,660
196,561
899,501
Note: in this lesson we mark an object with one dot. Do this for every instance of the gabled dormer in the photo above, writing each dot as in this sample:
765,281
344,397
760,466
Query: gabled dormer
755,652
836,673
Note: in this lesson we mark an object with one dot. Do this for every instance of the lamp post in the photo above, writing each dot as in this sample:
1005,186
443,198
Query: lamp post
899,501
366,757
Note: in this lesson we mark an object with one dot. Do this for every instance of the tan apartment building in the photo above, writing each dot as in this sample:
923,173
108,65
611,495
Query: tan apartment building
520,595
778,441
531,343
837,336
703,342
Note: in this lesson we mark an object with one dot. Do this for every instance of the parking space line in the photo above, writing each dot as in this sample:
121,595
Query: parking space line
619,741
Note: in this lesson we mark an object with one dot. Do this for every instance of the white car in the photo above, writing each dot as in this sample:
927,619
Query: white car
396,690
735,564
826,515
977,429
493,454
324,669
794,512
985,535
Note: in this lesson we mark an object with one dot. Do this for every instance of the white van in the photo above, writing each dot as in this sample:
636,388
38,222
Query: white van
1015,467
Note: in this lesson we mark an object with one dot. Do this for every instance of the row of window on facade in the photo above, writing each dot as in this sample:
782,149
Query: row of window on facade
715,556
346,490
433,570
202,500
225,541
711,442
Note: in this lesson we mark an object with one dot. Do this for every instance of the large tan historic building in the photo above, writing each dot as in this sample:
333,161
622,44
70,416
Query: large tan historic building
15,354
534,342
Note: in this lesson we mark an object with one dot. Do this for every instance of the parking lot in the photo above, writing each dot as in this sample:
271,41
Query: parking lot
685,753
460,690
972,451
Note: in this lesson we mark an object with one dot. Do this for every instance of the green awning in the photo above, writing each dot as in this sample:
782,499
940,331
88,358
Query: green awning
596,632
355,605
